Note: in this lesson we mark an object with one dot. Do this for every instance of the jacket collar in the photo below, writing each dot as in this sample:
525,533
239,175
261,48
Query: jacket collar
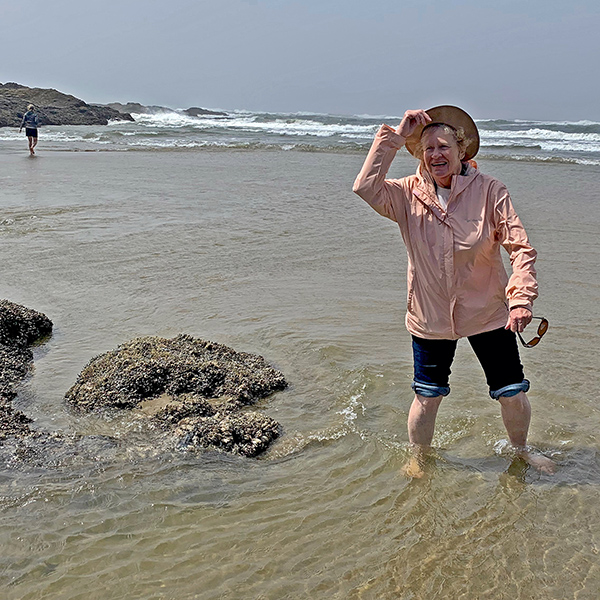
425,188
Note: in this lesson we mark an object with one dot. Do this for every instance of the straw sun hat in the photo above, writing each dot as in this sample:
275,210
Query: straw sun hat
453,116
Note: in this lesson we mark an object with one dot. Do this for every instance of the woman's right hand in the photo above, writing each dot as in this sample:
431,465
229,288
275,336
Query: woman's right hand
411,119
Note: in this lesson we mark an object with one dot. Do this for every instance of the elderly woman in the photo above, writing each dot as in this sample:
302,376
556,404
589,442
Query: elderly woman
453,220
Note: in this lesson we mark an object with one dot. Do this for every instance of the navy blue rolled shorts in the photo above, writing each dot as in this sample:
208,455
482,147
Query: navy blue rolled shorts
496,350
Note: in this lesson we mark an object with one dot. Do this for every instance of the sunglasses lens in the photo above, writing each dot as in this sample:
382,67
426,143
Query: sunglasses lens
542,328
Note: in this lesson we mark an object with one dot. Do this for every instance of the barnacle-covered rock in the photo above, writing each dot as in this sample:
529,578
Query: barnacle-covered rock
185,380
150,366
19,328
244,433
192,391
172,410
12,422
15,364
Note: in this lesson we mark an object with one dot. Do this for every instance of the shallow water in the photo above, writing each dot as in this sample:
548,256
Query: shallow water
270,252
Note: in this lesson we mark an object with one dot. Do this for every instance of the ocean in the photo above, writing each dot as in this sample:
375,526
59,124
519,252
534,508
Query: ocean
538,141
244,230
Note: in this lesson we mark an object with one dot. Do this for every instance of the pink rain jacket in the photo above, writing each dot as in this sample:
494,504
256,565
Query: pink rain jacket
457,284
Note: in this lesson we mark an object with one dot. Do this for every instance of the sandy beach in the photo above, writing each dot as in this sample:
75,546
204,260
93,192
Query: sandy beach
270,252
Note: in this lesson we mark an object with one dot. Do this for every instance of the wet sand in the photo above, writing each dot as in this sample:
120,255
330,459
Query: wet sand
271,253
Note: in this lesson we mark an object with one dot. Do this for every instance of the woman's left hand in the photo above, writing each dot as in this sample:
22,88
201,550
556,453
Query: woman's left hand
518,319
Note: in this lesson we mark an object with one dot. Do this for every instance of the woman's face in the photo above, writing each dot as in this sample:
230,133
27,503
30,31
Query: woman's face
441,155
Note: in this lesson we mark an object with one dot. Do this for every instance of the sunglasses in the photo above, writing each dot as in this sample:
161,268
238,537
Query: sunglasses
541,330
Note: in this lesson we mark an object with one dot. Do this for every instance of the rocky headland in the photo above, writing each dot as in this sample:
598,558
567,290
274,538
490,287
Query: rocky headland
191,393
53,107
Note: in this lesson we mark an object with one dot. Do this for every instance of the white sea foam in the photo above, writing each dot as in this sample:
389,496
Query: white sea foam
252,122
163,119
577,142
543,134
582,123
9,135
545,139
350,412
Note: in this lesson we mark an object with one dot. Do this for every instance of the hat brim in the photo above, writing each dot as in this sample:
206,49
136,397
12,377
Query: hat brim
453,116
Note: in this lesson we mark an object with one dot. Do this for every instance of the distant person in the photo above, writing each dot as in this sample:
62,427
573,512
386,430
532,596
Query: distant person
454,220
30,122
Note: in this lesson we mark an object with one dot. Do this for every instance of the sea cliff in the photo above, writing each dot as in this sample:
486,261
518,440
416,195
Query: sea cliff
56,108
53,107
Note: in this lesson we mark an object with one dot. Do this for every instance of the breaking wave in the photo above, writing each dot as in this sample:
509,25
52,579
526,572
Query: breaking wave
525,140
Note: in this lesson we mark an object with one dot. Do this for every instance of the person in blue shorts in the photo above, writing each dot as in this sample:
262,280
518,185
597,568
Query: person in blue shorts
30,122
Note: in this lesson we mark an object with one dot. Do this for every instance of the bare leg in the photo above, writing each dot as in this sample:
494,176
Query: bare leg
30,139
421,419
421,425
35,141
516,414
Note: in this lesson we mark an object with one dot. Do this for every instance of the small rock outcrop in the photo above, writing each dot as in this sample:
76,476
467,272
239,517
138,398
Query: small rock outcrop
194,111
195,389
20,327
247,433
140,109
52,107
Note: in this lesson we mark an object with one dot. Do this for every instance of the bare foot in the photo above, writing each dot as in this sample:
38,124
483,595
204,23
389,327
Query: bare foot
413,468
538,461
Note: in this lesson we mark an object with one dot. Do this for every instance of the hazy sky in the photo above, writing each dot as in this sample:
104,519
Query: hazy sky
504,59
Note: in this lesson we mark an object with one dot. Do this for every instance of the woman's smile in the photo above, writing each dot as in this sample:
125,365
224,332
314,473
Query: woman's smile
441,155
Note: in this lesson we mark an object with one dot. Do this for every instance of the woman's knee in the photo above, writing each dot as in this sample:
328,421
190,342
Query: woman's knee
428,403
517,401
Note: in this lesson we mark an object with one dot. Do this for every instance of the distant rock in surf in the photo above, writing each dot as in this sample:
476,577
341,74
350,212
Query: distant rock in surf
140,109
194,111
52,107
